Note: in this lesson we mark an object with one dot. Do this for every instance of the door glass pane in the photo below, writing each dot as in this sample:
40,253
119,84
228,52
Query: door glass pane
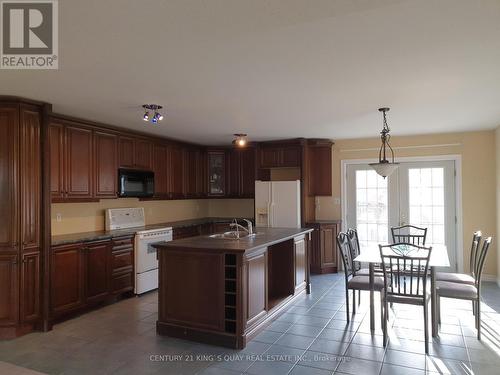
426,189
372,215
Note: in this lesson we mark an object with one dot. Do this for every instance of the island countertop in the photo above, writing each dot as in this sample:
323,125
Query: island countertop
264,237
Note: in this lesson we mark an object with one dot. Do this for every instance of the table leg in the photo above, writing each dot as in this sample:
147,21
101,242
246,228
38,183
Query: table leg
433,303
372,307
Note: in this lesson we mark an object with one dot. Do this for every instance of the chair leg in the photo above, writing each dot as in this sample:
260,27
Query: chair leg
438,309
354,302
382,309
359,297
473,307
426,327
478,318
384,322
347,303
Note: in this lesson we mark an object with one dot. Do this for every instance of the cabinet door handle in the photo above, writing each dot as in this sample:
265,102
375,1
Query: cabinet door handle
14,262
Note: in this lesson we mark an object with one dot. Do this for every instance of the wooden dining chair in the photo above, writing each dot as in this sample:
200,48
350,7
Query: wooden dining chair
405,279
353,281
409,234
472,293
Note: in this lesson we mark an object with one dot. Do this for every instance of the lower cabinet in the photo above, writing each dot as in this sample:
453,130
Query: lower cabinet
324,246
85,274
9,290
96,271
30,287
67,279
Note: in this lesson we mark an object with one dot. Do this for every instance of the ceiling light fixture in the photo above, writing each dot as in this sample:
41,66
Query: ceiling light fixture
384,167
240,140
155,108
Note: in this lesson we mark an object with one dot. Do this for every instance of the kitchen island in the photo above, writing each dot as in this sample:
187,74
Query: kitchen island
224,291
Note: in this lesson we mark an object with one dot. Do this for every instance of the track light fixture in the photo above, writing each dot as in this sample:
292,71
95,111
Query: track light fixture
155,108
240,140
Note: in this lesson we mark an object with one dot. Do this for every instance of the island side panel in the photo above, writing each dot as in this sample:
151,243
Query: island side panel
255,286
191,290
301,263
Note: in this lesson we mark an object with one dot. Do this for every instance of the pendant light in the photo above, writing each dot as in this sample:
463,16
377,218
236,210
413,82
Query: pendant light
385,167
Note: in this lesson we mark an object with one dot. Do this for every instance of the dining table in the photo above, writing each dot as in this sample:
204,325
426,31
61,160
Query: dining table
439,258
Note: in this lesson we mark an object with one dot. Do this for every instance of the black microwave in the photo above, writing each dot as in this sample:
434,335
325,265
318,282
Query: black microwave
135,183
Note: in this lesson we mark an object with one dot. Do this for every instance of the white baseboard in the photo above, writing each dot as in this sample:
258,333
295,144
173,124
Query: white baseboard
491,278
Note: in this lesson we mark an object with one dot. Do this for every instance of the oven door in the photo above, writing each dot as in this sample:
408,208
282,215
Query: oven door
146,254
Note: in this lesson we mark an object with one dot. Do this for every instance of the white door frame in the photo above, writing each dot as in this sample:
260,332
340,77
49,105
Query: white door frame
458,194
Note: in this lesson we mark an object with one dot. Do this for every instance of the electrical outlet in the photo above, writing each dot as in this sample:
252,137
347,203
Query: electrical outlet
336,201
58,218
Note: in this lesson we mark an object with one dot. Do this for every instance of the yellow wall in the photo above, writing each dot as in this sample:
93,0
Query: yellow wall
86,217
478,177
498,198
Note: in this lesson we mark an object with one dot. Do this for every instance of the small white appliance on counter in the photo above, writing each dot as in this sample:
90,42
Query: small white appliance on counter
277,204
145,261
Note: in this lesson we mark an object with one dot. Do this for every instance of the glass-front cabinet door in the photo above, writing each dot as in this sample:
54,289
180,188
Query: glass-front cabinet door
216,173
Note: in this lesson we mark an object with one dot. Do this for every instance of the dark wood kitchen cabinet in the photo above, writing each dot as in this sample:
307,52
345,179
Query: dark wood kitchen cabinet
319,162
9,210
194,172
21,229
143,154
280,156
160,168
9,292
85,274
216,160
241,173
71,158
96,270
324,246
78,158
106,164
126,152
135,153
67,279
175,171
30,287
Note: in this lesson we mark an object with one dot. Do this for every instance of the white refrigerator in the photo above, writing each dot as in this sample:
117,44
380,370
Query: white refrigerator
277,204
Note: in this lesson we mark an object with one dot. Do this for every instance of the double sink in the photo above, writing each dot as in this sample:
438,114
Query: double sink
233,235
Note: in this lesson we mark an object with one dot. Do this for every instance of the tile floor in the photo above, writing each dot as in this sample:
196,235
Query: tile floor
312,337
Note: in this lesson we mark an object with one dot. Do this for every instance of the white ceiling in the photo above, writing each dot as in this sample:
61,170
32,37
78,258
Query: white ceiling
275,68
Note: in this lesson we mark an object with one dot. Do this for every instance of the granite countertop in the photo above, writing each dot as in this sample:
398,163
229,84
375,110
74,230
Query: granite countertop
66,239
264,237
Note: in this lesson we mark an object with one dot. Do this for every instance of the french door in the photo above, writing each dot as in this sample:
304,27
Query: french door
418,193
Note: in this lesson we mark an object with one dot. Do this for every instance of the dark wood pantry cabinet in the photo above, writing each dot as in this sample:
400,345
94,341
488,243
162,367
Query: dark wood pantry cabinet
21,213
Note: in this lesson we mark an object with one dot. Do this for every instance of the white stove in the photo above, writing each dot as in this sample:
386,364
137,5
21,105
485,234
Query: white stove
146,262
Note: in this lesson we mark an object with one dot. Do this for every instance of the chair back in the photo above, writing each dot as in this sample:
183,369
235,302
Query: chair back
480,261
409,234
405,275
352,235
345,253
474,253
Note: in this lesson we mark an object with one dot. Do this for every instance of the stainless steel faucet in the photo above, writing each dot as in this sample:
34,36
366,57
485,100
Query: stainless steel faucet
248,229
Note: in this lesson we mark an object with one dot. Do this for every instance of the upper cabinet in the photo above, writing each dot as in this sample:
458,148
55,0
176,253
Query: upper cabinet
136,153
280,155
175,171
106,164
71,161
216,173
241,172
319,165
160,168
195,175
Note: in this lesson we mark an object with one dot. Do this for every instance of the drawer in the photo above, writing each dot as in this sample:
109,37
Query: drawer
121,283
123,241
121,259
